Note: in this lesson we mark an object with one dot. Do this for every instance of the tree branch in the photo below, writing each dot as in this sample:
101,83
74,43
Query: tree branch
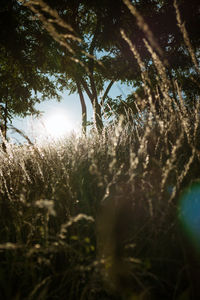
83,106
86,88
107,91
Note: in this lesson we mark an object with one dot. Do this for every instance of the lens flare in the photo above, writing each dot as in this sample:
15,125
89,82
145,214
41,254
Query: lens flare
189,213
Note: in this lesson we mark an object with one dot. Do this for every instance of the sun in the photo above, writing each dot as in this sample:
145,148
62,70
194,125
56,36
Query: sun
57,124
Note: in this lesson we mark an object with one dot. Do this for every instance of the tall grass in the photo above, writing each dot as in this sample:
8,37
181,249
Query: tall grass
98,217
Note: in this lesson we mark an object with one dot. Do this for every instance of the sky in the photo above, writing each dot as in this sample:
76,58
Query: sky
66,112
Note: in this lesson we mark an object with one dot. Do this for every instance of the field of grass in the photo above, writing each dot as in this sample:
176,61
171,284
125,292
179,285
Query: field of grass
100,217
109,216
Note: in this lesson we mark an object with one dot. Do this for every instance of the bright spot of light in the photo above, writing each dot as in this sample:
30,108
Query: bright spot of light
55,124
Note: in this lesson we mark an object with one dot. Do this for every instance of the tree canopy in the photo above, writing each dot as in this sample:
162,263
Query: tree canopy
79,46
105,56
27,62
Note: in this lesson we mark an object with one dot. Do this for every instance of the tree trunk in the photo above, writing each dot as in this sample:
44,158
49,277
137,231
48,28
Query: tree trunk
3,125
5,121
97,115
96,106
84,109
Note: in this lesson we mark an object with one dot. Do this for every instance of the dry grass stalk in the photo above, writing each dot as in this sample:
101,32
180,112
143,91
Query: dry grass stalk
186,38
144,27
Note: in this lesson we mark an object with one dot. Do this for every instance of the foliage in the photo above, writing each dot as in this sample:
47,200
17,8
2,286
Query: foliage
77,31
103,54
100,217
27,62
88,49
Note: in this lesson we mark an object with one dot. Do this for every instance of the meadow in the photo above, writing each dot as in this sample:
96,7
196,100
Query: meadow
100,217
111,215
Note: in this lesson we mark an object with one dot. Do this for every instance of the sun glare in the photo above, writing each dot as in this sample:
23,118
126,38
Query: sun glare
56,124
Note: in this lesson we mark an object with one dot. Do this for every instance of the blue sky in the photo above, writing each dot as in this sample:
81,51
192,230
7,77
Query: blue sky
69,105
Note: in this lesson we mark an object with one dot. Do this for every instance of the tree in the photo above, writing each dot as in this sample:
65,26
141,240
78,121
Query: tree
27,63
155,22
88,51
104,56
81,70
172,31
